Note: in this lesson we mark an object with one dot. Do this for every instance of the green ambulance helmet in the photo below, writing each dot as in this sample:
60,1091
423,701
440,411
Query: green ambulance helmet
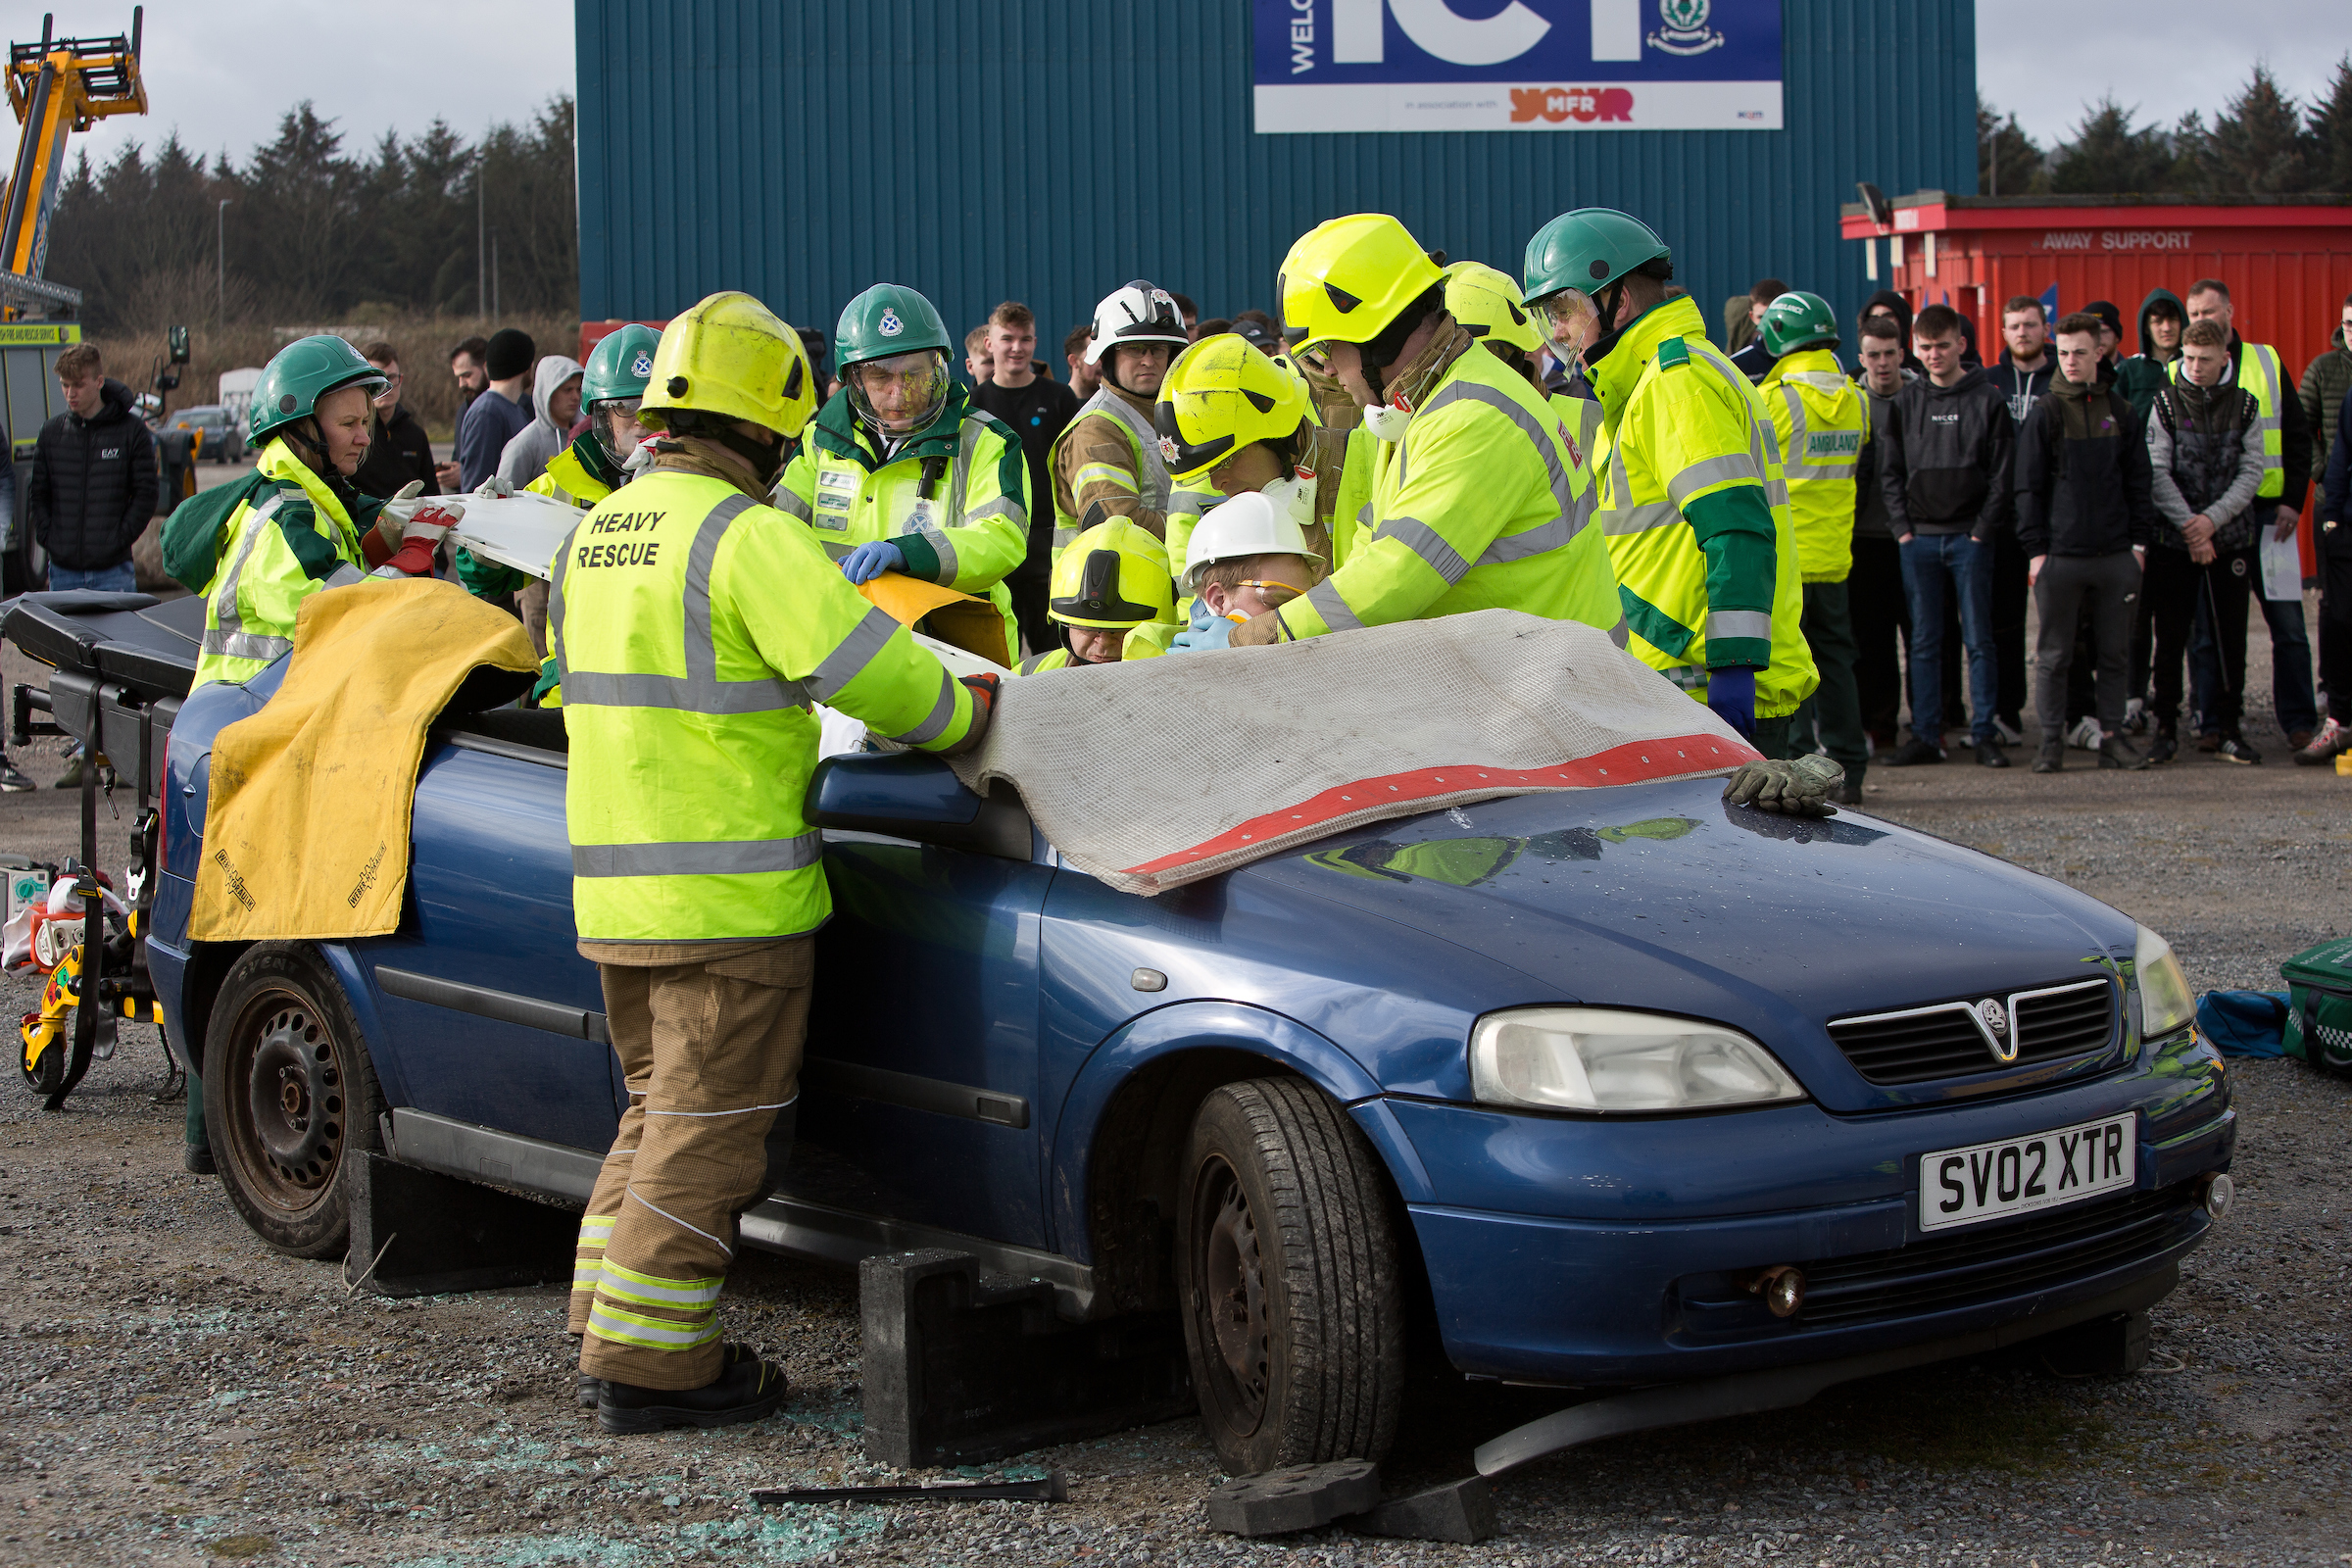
1587,249
886,320
299,376
1799,321
620,366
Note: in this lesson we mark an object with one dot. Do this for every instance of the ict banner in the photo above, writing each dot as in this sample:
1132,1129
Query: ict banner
1529,64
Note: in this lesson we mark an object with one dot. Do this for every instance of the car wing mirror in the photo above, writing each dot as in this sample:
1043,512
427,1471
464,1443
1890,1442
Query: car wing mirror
915,795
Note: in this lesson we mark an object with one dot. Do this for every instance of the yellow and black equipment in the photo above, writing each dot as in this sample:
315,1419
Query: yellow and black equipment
56,86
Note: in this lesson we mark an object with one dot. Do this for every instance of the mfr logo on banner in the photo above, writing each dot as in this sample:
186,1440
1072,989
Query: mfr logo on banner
1534,65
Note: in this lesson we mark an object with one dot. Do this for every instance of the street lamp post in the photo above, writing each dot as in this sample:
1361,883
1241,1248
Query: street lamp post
221,244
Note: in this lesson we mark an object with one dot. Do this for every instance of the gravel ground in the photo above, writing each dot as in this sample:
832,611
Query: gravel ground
178,1394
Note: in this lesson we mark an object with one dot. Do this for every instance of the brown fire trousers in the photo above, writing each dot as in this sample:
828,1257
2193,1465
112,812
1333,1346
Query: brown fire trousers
710,1040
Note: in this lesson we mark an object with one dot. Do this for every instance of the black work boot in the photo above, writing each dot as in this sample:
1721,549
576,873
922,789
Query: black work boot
2115,752
747,1389
2167,744
2052,758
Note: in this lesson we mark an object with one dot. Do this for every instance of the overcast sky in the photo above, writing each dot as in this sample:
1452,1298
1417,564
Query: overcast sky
2046,61
225,71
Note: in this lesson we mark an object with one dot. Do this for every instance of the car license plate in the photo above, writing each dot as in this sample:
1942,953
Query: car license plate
2020,1175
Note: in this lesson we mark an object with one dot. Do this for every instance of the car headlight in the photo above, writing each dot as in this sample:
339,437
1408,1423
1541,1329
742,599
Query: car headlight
2165,1002
1600,1059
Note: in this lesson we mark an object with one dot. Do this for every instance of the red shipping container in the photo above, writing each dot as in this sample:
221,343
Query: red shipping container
2287,260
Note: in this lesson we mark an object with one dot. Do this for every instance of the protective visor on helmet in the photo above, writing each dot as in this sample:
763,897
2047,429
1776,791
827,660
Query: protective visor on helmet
1571,319
914,385
1099,601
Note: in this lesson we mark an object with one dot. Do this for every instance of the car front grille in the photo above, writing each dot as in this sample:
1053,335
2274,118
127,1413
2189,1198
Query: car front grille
1954,1270
1999,1259
1950,1039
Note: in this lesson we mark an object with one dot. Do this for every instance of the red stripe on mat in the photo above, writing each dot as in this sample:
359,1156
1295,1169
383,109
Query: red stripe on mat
1634,763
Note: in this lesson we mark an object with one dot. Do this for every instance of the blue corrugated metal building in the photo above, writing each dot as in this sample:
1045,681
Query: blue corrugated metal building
1049,150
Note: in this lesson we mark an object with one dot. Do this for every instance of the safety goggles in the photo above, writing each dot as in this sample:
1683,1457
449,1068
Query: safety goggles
1275,594
1569,318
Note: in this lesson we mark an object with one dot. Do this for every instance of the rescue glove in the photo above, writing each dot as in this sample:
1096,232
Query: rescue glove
394,517
1801,788
494,488
872,559
984,690
1207,629
1731,694
421,536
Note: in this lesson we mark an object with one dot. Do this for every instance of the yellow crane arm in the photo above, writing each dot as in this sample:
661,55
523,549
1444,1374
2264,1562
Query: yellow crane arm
57,86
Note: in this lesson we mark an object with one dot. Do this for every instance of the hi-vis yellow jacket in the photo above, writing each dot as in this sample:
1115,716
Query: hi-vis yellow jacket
1697,510
1822,419
1480,506
693,628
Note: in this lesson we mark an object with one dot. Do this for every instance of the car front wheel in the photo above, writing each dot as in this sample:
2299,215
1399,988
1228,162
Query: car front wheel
288,1095
1287,1266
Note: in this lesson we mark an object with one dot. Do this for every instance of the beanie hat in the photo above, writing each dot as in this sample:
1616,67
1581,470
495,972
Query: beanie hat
510,354
2106,312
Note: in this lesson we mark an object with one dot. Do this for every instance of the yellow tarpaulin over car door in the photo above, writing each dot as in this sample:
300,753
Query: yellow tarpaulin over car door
307,830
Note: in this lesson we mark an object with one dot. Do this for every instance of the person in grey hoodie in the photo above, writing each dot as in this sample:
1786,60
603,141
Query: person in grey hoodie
2205,462
556,396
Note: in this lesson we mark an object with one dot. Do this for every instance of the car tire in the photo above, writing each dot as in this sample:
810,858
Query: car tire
1293,1315
289,1096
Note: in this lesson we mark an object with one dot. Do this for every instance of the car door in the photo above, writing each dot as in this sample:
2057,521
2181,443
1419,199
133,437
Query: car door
497,1018
919,1090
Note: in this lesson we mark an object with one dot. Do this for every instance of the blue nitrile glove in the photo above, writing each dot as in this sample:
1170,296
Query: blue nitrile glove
872,559
1208,629
1731,694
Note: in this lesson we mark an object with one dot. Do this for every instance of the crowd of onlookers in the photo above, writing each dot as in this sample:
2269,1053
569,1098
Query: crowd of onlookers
2142,502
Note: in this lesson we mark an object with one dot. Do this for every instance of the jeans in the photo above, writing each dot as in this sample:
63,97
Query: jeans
1931,561
119,578
2335,619
2108,587
2009,595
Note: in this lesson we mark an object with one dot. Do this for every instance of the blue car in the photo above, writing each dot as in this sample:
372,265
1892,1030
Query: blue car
1684,1107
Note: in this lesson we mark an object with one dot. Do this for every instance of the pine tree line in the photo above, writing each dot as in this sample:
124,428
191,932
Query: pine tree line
2262,143
313,234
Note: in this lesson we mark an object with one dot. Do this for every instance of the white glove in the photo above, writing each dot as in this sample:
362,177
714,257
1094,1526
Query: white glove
641,456
422,517
494,488
1293,497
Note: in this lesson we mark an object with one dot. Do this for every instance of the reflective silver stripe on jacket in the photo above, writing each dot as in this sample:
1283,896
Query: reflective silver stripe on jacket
721,858
1573,511
849,657
1332,608
1426,543
789,502
1757,623
2268,418
935,722
228,638
1793,462
1156,482
698,690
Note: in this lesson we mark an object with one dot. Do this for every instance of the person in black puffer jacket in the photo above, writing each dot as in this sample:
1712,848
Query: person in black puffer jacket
2085,517
2205,454
92,486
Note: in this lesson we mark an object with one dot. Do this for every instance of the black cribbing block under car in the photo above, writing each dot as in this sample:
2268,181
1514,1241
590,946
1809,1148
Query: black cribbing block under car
449,1235
961,1368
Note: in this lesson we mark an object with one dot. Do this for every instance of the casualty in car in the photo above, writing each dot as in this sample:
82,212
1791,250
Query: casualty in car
1309,1020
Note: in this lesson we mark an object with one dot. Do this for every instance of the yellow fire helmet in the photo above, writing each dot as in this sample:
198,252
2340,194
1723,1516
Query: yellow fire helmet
1347,278
1113,576
1223,394
1488,303
732,356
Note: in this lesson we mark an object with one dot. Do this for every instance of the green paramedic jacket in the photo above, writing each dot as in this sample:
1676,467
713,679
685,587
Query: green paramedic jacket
693,628
968,534
1479,507
1697,510
255,551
